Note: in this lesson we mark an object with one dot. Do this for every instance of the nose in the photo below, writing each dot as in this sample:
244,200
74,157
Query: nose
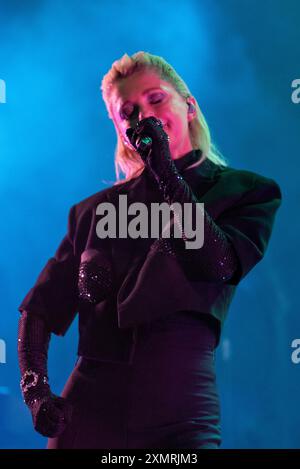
144,112
141,113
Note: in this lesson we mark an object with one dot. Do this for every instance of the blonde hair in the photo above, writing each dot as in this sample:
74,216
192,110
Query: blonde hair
126,160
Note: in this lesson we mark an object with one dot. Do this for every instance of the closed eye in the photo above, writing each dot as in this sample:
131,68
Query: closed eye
156,98
126,111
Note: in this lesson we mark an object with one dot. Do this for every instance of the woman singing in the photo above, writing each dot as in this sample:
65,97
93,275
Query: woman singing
151,310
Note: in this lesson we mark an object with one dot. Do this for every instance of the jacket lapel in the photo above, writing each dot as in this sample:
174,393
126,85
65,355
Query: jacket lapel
123,249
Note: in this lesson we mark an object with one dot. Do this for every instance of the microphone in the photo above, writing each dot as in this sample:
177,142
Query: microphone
143,146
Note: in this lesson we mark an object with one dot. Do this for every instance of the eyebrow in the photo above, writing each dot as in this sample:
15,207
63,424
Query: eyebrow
150,89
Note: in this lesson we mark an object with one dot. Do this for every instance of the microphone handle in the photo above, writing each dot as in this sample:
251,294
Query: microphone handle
144,146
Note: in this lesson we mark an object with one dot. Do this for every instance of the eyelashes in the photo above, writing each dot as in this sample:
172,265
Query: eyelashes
154,101
129,109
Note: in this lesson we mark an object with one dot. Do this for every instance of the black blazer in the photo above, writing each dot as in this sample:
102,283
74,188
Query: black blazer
148,285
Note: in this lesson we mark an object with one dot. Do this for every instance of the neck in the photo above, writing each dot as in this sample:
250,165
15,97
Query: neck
190,159
179,154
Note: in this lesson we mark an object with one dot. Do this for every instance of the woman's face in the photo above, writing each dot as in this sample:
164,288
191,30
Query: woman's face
145,94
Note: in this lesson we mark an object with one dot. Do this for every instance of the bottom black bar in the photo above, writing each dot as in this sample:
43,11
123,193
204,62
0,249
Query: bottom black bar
135,458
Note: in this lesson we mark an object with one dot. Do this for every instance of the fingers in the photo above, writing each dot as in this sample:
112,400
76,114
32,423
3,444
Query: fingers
153,128
153,121
53,417
151,124
47,427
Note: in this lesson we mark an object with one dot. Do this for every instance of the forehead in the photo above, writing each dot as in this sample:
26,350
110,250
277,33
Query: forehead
131,87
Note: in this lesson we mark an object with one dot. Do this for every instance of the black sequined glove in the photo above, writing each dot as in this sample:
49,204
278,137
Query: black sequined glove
216,260
155,152
50,413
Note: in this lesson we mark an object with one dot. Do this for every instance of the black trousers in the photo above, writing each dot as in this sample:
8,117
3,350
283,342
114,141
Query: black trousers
166,398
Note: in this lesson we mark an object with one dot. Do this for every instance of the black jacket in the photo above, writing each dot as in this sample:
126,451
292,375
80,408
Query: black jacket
149,285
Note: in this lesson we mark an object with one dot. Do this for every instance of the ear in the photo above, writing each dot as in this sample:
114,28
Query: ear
191,108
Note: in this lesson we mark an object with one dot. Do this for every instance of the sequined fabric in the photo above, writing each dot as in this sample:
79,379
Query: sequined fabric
33,343
216,260
50,413
94,282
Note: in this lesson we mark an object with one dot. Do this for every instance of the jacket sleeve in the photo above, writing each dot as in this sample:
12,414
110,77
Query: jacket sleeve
54,295
249,224
234,241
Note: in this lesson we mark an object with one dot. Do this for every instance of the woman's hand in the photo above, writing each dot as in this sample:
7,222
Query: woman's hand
50,414
156,154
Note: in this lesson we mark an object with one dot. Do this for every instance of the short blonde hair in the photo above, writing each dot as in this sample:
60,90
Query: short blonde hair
126,160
